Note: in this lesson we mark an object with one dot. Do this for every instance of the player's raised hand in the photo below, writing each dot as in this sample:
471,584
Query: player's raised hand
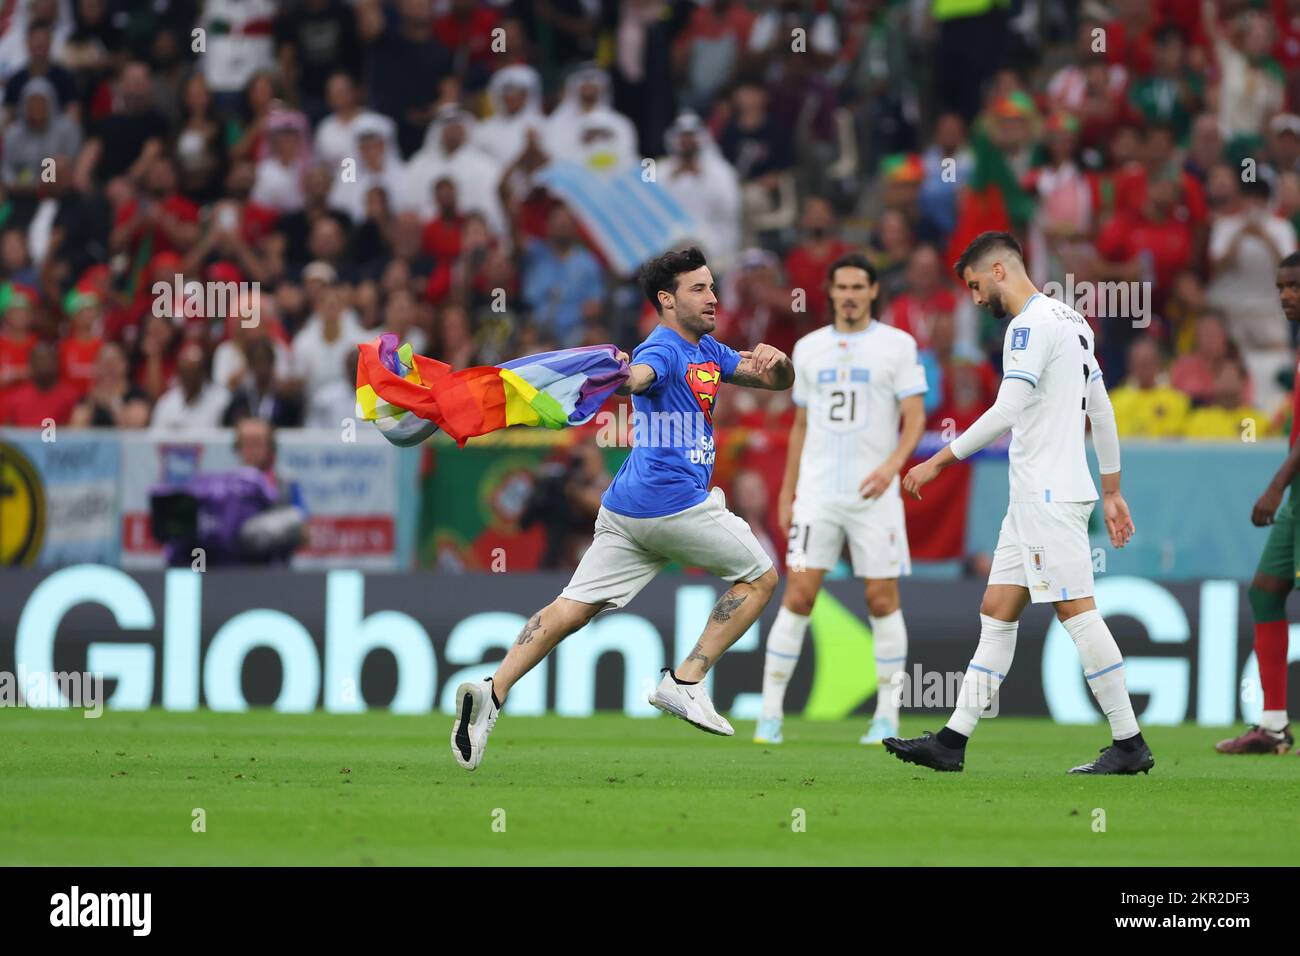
1119,523
1267,505
764,357
876,482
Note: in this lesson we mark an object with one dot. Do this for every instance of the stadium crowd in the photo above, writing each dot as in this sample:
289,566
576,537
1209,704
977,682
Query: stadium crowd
363,165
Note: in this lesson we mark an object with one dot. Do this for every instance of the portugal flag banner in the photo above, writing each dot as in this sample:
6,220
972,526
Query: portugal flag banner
409,396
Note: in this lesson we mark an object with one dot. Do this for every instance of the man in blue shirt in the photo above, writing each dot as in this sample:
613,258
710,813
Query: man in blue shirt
562,280
658,509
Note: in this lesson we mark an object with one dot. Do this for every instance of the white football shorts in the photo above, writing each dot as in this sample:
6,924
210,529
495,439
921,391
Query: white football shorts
626,553
1044,547
875,528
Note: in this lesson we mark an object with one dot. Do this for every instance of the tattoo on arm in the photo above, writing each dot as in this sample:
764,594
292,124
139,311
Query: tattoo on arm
532,627
746,377
727,605
778,378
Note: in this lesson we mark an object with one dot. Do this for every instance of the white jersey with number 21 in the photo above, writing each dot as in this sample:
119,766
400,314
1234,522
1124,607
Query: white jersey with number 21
851,385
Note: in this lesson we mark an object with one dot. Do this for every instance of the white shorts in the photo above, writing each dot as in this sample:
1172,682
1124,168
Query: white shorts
875,527
627,553
1044,547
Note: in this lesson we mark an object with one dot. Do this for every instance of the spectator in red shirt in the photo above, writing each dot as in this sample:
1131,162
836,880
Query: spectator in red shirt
1129,38
1160,158
153,364
466,30
16,338
79,349
966,384
160,219
441,237
711,48
233,230
44,397
1286,47
1149,242
806,264
461,276
755,306
927,297
1150,245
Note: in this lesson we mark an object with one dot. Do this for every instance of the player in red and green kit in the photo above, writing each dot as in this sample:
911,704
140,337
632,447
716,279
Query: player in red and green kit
1279,566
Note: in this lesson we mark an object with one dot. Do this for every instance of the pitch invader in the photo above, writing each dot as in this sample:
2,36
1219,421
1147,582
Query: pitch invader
1051,383
657,509
854,380
1279,567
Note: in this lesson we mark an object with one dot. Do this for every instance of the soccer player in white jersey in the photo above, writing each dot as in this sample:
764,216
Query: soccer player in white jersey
854,380
1051,383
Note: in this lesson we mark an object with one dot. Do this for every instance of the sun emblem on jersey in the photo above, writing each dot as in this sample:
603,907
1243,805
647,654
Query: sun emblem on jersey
704,379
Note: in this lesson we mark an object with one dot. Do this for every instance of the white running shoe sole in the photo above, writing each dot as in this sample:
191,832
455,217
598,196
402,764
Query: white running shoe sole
467,745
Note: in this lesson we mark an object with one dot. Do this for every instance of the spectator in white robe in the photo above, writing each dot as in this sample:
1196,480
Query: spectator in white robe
376,166
279,180
706,186
516,96
450,151
585,128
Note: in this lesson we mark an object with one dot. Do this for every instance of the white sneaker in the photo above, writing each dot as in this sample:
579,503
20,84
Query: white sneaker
691,703
476,715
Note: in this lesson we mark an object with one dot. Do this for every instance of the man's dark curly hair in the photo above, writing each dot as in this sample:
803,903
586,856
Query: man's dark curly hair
660,275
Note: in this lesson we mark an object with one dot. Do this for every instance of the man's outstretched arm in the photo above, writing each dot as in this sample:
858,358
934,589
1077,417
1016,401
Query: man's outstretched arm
764,367
639,377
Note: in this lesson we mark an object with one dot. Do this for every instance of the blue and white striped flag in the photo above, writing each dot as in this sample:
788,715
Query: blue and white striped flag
630,219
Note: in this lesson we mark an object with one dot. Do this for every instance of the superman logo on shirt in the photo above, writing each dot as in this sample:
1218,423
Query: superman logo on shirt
704,379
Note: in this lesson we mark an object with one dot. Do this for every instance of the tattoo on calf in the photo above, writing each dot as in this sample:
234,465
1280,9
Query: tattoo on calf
532,627
697,653
727,605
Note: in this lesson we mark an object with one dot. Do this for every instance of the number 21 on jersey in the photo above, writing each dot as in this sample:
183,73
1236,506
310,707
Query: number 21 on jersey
844,393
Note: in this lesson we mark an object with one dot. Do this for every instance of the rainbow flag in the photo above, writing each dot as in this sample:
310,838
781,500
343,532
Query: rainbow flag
409,397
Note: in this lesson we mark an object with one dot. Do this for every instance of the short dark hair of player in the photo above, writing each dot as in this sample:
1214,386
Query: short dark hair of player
660,275
981,246
852,260
1290,262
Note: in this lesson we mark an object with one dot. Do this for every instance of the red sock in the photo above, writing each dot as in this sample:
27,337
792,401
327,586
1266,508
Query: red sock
1270,652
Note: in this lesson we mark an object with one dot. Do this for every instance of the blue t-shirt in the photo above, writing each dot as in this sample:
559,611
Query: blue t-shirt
672,426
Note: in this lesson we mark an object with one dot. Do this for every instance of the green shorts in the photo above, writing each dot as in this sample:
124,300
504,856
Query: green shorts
1281,557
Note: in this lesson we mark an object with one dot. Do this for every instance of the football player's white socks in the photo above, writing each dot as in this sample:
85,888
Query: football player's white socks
890,634
784,641
987,670
1274,720
1103,666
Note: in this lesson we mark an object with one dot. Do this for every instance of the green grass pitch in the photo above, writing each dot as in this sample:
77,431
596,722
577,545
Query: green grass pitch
379,789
